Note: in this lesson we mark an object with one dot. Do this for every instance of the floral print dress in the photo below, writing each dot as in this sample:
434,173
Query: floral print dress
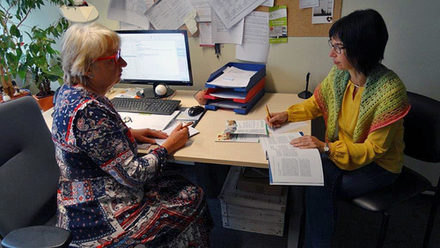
108,196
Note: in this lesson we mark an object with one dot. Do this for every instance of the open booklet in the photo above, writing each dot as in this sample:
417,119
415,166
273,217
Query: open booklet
248,131
289,165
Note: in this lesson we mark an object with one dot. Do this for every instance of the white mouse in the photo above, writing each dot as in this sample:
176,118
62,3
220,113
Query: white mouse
160,90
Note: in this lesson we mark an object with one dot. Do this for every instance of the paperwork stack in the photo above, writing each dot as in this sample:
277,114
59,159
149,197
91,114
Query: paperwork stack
236,86
252,211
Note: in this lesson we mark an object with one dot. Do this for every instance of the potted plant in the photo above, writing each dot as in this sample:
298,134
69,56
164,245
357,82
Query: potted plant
34,56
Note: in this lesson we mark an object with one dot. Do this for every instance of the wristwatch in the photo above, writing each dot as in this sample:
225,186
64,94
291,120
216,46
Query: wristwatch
326,148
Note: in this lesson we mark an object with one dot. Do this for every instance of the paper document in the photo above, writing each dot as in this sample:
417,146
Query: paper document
138,121
221,34
228,94
288,127
130,11
278,24
231,12
243,131
205,34
192,131
308,3
233,77
323,13
169,14
203,10
289,165
268,3
255,46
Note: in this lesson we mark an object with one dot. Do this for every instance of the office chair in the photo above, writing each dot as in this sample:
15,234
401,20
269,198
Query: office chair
28,178
422,142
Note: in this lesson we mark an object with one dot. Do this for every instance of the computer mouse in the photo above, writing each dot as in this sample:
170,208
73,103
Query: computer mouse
195,110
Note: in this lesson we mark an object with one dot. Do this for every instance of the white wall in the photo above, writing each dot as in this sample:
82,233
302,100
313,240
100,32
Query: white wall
413,52
413,49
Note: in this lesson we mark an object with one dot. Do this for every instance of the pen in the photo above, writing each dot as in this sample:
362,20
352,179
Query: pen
267,112
187,124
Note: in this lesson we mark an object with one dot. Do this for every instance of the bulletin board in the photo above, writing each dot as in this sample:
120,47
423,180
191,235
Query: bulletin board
299,21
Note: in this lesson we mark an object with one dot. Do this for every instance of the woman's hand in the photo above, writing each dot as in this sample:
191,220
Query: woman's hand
147,135
177,139
277,119
308,141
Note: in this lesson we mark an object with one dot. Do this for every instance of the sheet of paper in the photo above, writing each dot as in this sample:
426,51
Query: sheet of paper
239,138
255,46
128,26
278,24
289,165
221,34
228,94
203,10
231,12
268,3
229,104
138,121
324,12
192,131
308,3
233,77
130,11
205,34
169,14
246,127
288,127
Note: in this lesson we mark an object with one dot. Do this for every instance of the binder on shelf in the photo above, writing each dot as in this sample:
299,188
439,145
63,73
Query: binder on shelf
260,70
243,109
244,97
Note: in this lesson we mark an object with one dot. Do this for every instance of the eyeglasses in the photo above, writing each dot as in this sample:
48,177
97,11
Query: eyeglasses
337,47
115,57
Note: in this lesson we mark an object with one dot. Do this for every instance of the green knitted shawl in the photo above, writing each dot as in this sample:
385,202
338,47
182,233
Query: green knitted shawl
383,101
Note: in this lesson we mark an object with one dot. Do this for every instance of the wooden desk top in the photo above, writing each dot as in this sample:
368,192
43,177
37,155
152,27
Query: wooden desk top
203,148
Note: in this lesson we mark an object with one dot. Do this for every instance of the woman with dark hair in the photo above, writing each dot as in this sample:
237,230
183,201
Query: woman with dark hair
363,104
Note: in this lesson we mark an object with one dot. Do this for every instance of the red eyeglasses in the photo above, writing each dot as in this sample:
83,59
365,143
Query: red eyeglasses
115,57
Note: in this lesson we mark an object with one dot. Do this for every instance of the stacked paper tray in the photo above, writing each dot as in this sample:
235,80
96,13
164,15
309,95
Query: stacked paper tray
251,211
260,73
239,99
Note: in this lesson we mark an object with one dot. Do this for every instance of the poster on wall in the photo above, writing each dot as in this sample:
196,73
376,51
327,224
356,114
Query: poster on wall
323,13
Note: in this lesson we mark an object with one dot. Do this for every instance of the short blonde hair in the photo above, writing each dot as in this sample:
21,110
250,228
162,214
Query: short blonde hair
82,45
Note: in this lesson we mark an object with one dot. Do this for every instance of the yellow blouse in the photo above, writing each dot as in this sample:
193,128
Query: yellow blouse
383,146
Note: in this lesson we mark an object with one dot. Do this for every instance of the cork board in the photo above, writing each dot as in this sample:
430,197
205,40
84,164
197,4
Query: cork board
299,21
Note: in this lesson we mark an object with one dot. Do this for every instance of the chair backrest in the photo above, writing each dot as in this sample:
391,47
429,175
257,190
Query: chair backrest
28,169
422,128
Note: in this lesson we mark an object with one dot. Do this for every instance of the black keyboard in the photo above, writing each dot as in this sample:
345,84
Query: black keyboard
145,105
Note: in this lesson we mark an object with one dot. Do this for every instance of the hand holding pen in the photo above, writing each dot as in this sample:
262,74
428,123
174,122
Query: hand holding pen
177,138
275,120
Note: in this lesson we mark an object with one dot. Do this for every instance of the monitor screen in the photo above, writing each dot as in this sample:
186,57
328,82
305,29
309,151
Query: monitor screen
156,57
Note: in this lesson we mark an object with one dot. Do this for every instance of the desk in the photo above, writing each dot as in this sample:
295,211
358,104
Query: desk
205,150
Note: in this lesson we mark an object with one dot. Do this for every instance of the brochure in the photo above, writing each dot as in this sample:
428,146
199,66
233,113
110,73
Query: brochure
243,131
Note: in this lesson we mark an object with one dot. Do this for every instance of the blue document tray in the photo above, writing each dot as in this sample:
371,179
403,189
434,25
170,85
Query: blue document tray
260,73
245,107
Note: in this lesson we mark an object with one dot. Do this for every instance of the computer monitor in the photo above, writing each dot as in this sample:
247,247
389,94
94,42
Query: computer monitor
156,57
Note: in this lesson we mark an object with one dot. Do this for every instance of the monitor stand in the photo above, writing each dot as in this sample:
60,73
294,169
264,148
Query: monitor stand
150,92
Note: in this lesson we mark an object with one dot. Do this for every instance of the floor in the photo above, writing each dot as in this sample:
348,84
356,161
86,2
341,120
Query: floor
355,227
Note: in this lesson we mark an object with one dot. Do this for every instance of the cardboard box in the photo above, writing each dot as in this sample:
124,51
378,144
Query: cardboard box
251,211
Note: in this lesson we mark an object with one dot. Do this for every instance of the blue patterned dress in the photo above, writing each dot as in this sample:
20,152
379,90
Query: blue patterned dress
110,197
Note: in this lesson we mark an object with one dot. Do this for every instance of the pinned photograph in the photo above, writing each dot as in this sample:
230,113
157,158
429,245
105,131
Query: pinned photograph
323,13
